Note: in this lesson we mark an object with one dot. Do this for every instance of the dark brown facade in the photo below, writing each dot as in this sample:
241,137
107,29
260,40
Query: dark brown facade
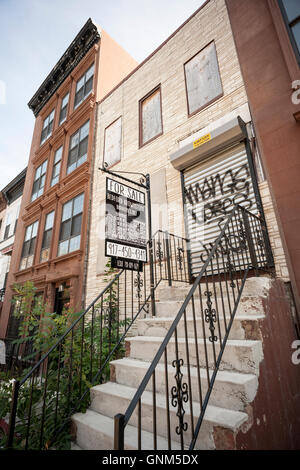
60,275
268,59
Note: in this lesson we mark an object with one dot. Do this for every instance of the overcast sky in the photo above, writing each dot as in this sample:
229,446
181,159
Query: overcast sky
35,33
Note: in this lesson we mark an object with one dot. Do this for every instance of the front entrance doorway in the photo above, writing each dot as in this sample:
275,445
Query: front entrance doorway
62,298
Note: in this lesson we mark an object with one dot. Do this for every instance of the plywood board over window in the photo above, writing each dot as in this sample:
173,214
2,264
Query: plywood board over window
203,81
113,142
150,116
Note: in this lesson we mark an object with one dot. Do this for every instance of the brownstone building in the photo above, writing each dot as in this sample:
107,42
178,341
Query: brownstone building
51,238
267,38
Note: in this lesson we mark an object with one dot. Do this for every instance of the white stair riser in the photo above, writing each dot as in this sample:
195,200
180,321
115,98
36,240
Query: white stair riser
233,396
239,329
242,358
90,439
108,404
100,437
247,306
253,287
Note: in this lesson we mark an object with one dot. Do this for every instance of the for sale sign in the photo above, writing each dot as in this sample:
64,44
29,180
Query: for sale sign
125,226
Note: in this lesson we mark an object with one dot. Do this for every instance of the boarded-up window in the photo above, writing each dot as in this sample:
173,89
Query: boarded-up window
112,143
203,82
150,116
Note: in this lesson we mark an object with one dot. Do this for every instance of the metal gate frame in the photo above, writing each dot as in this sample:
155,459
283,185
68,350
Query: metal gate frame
257,195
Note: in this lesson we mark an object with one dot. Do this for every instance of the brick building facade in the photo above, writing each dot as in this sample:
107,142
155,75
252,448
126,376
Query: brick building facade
51,238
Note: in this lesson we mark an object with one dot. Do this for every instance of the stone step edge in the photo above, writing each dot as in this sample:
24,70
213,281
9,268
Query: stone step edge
234,377
242,317
105,425
230,342
213,414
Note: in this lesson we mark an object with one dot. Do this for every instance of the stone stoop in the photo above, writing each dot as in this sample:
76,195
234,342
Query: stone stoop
234,390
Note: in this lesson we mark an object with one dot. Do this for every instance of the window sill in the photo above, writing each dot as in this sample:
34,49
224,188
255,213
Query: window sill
206,105
141,145
60,259
91,94
54,262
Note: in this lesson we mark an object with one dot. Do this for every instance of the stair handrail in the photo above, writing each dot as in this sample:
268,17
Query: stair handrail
121,420
161,272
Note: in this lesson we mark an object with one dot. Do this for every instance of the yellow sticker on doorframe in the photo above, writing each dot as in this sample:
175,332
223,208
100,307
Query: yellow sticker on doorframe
201,141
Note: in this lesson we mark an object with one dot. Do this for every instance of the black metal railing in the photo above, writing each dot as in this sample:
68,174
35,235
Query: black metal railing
181,376
17,357
43,400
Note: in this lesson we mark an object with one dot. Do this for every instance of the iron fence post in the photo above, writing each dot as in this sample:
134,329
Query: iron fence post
168,258
152,292
119,432
250,240
13,414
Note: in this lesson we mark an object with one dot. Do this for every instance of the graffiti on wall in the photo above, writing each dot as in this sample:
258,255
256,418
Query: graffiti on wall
217,194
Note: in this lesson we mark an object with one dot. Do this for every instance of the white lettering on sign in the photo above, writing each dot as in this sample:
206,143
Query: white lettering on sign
125,191
125,251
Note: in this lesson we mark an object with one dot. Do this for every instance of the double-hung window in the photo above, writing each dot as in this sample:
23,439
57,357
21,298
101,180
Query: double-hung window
78,147
47,127
70,229
7,226
56,166
63,109
17,216
84,86
47,236
291,14
29,246
39,181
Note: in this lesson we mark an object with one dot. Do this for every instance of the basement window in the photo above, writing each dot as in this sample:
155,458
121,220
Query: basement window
202,78
150,116
70,229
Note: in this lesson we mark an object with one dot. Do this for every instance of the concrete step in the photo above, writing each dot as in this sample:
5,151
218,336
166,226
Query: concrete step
254,286
233,390
96,432
239,355
74,446
111,398
247,306
243,327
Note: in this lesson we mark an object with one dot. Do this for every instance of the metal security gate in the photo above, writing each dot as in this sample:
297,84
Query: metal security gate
211,189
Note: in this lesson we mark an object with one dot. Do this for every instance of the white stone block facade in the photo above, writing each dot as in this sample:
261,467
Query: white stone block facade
8,217
166,67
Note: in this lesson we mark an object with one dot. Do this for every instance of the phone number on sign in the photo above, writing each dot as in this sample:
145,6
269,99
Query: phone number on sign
129,252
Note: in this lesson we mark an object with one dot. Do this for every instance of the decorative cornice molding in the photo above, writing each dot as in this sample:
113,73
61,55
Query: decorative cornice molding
85,39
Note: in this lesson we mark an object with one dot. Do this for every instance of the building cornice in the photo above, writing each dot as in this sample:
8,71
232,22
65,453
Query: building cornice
14,185
79,47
